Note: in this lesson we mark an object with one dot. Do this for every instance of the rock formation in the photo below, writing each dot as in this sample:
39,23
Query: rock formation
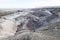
30,24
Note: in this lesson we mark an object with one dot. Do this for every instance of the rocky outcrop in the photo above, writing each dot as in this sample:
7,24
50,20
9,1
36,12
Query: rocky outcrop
31,24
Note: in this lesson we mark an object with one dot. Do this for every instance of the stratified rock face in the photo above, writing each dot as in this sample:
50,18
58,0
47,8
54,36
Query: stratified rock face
31,24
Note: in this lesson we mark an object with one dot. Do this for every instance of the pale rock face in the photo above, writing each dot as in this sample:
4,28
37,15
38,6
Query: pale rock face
7,28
